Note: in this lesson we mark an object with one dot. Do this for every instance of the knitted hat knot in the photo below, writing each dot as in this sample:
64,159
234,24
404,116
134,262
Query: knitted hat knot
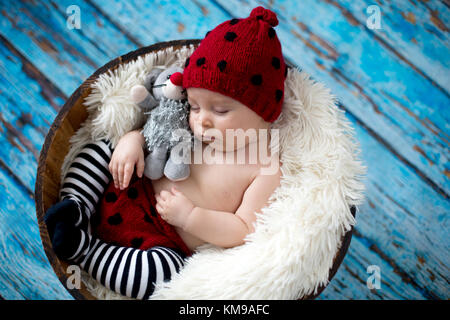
260,13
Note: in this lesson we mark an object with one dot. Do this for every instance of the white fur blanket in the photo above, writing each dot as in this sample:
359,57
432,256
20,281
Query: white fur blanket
297,236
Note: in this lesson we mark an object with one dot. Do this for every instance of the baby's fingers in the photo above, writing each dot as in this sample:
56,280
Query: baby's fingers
120,175
128,172
140,166
113,169
160,211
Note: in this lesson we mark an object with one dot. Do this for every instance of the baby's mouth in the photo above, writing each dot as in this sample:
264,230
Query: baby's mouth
208,139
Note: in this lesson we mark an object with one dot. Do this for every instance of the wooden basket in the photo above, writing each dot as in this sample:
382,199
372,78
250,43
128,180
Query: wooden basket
56,147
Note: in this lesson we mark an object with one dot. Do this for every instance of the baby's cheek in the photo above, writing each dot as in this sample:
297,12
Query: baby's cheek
192,125
191,121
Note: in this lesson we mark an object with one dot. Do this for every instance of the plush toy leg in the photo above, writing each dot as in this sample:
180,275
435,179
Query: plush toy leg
177,167
155,162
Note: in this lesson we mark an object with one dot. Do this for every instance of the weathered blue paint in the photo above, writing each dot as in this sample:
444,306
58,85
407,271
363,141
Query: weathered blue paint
392,82
411,237
25,116
25,272
67,57
414,30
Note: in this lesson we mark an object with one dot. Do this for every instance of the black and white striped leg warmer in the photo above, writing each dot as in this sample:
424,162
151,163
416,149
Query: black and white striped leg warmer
87,179
128,271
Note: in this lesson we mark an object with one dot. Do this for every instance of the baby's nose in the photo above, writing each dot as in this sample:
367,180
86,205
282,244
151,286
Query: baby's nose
205,120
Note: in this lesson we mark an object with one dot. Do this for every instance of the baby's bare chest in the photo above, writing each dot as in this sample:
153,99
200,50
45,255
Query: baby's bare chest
214,186
221,185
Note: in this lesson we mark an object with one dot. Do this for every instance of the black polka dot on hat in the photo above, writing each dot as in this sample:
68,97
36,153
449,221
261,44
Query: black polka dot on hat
260,17
111,197
132,193
187,62
271,32
230,36
278,95
115,219
256,79
201,61
136,242
222,64
276,63
234,21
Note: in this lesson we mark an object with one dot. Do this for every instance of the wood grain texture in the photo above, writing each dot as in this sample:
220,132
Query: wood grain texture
416,30
24,89
392,83
38,29
25,272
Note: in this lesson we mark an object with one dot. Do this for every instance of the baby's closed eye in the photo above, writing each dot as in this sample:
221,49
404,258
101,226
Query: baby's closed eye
221,110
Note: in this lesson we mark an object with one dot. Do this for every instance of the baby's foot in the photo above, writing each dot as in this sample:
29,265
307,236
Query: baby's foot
65,211
63,225
66,240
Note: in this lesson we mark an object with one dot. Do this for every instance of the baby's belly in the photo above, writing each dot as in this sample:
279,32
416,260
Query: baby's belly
213,194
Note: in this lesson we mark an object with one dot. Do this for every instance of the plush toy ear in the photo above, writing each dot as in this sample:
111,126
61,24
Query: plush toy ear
151,77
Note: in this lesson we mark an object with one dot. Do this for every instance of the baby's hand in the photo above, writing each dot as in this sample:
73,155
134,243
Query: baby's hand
127,154
174,207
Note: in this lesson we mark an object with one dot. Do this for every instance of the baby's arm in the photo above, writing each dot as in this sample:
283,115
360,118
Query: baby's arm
128,153
224,229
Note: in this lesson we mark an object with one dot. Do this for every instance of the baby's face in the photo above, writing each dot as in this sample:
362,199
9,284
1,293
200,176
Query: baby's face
213,113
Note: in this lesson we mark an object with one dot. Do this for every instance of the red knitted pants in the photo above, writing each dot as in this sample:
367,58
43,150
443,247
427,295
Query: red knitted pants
129,218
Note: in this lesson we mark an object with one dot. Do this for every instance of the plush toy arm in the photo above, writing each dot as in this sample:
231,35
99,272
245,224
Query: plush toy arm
155,162
177,167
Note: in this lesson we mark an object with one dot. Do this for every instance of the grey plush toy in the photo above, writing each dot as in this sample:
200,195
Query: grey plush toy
166,130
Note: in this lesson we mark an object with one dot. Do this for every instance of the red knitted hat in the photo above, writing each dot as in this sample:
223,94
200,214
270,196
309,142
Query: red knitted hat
242,59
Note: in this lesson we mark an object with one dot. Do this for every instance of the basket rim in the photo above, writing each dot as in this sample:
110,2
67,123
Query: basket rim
84,88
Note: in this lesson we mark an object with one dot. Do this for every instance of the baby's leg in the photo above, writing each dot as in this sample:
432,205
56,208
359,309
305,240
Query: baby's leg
128,271
82,188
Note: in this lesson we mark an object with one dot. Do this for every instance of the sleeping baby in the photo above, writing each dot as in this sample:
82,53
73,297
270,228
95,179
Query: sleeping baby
143,229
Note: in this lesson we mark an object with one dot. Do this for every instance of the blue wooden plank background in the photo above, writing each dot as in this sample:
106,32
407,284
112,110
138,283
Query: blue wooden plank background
393,82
